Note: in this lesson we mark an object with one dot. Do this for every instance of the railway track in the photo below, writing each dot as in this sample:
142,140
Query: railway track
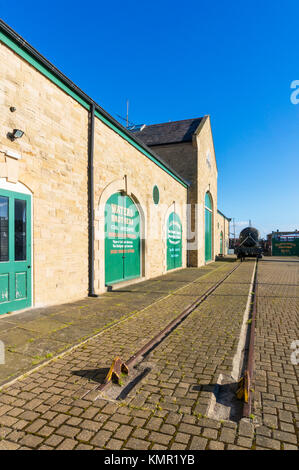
164,333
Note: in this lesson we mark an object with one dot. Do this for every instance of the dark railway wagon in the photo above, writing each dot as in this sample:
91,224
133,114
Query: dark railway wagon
249,245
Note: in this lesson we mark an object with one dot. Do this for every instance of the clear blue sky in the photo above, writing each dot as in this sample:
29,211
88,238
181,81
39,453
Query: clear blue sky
177,60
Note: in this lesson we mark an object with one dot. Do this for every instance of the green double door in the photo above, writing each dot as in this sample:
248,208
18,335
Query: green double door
208,227
15,251
122,239
174,242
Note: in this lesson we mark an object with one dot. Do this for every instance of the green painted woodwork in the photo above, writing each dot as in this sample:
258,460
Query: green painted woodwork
156,194
288,247
174,242
41,68
15,251
208,201
63,86
122,239
221,243
208,227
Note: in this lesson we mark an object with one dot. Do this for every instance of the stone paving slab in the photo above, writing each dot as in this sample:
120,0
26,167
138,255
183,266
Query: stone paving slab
33,336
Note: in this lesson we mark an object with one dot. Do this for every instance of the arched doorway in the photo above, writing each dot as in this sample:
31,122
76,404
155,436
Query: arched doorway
122,239
221,243
173,242
208,227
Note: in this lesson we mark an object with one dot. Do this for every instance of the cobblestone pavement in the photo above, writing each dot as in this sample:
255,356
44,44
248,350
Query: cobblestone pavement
276,380
166,410
186,366
34,336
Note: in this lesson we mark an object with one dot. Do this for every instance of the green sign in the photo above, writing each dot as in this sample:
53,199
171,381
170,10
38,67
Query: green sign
285,247
122,239
208,227
15,251
174,241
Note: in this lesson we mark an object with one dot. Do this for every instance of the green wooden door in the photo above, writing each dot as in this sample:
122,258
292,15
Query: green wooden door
15,251
208,228
174,242
122,239
221,243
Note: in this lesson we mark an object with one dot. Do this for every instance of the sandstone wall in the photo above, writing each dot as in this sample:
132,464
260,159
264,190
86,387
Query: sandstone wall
53,166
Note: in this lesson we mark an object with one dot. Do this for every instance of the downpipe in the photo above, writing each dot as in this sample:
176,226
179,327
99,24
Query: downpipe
91,292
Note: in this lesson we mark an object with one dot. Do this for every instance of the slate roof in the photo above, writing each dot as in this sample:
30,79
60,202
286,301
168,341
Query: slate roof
168,132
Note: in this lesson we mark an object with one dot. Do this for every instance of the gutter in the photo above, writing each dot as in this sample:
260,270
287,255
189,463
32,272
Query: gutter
15,42
227,218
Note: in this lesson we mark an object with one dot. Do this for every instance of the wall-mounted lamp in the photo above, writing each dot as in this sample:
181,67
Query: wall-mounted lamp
15,134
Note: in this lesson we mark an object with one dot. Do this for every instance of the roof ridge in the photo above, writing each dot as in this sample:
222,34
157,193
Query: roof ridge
172,122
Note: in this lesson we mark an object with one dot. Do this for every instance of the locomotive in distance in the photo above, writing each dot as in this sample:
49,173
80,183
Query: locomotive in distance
249,244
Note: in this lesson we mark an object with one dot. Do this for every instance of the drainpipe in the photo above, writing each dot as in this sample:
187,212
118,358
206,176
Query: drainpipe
188,224
91,292
224,239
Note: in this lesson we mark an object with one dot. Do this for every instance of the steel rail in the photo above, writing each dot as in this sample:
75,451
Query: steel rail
168,329
250,362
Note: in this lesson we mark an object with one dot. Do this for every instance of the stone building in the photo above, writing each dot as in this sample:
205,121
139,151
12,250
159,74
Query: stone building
222,234
84,203
188,147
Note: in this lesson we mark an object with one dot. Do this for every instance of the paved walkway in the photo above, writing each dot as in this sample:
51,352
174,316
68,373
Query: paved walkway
276,382
34,336
166,410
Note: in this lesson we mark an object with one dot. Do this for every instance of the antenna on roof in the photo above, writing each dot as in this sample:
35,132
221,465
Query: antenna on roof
127,114
131,126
